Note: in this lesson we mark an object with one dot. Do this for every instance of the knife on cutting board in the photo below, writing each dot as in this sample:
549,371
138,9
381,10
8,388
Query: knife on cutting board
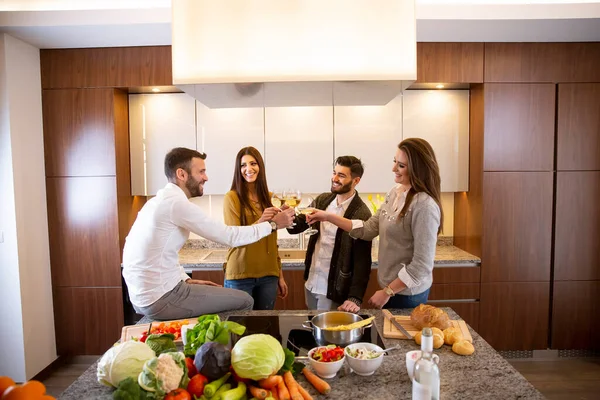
388,315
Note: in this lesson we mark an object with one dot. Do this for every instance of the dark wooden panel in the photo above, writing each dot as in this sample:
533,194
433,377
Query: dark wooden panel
87,320
106,67
468,310
295,299
372,287
468,205
542,62
578,142
450,62
517,223
519,127
456,275
79,137
454,291
514,315
575,310
83,231
213,276
577,226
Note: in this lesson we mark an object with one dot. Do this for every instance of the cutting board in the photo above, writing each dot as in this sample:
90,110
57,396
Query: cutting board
391,332
130,331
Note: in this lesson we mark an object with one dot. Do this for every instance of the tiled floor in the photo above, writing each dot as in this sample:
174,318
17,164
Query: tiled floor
557,379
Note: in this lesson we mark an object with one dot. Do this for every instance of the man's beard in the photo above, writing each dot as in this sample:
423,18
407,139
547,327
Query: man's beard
193,186
342,189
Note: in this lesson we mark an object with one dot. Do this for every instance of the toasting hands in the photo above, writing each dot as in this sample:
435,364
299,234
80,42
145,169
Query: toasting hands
316,216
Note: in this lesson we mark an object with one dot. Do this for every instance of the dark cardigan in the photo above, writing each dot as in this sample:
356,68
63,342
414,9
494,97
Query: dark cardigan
351,259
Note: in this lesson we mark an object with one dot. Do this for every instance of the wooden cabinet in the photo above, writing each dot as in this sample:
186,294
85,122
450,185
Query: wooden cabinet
370,133
299,147
221,133
157,123
577,226
79,138
575,310
87,320
517,226
578,129
442,118
449,62
467,310
294,279
514,315
542,62
519,127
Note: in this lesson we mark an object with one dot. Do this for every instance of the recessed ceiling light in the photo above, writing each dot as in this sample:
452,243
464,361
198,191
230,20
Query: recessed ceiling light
440,86
156,90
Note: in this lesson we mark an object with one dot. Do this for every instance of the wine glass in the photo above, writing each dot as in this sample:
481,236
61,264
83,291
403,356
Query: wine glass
292,198
305,207
277,199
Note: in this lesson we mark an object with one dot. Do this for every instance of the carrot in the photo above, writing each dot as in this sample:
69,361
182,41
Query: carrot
282,391
273,393
304,393
257,392
319,384
270,382
292,386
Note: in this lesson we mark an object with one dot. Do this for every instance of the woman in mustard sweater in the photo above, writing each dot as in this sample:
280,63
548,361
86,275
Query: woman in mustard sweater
254,268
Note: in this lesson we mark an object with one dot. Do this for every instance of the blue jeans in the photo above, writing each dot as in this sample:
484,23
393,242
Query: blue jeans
402,301
263,290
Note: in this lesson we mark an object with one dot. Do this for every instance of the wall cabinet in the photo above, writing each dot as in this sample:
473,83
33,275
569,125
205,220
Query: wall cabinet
442,118
299,148
221,133
157,123
370,133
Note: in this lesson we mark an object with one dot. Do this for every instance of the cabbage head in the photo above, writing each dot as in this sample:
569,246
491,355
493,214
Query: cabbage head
124,360
257,356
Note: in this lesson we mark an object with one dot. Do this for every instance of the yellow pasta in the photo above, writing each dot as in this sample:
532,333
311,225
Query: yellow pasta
348,327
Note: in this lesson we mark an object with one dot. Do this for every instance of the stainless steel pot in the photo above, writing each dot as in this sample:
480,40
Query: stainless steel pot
335,318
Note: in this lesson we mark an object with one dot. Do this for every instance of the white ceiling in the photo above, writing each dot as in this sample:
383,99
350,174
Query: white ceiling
113,23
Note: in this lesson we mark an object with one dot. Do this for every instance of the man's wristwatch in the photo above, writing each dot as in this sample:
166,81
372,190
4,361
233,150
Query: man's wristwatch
273,226
387,290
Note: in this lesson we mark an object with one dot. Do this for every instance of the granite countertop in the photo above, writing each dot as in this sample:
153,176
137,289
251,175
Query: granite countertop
213,258
484,375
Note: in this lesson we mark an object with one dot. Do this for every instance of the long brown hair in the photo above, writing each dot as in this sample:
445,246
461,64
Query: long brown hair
423,172
240,186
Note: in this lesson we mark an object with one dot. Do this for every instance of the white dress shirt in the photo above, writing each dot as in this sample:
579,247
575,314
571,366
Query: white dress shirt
318,275
150,258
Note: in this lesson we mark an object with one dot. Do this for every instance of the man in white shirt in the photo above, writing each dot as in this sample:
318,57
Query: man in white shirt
158,286
337,267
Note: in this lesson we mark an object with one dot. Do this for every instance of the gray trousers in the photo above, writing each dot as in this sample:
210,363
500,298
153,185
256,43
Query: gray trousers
187,300
319,301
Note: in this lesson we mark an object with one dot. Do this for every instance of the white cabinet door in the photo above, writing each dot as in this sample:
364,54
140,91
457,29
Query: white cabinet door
442,118
371,133
157,123
299,148
221,133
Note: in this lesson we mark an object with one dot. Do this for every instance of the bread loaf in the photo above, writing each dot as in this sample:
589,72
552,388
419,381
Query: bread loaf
429,316
463,348
452,335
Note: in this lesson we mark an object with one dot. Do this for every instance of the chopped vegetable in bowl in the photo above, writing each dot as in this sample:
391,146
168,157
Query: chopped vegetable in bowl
329,353
362,354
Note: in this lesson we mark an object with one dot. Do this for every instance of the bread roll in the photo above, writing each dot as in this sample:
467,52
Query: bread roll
463,348
452,335
425,315
438,338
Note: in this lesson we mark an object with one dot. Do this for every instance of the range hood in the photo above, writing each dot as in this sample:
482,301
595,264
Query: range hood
270,53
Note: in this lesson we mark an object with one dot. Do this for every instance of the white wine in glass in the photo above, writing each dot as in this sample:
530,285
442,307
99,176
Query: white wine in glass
306,209
276,200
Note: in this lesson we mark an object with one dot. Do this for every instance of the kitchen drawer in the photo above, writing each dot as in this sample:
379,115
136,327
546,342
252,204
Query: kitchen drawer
216,276
454,291
467,310
456,275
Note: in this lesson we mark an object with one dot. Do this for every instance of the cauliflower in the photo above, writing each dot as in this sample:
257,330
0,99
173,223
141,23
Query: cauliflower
164,373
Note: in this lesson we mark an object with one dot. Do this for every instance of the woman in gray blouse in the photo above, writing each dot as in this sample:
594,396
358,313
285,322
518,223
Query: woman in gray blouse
407,224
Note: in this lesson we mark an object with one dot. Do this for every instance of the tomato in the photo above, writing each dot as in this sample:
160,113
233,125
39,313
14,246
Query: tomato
196,385
191,367
5,383
178,394
32,390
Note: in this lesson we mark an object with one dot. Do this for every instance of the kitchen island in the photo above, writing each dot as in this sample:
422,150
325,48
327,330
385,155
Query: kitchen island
483,375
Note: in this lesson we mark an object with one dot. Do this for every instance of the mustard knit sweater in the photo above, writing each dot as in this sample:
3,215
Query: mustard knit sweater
254,260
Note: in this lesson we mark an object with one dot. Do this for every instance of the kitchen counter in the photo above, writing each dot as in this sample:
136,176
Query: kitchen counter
194,259
483,375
